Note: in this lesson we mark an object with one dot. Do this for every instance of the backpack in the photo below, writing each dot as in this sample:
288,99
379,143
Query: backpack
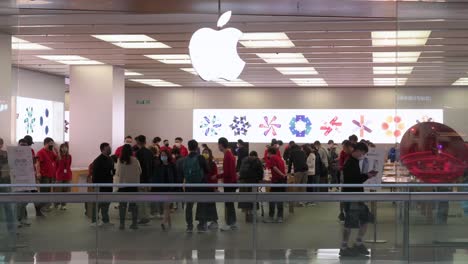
249,170
192,171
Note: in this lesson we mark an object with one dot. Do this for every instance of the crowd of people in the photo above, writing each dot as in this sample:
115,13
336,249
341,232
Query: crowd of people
137,162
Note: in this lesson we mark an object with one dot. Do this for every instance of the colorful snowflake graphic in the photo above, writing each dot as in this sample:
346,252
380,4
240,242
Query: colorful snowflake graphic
240,126
362,126
300,126
43,119
30,121
332,125
399,126
270,125
210,125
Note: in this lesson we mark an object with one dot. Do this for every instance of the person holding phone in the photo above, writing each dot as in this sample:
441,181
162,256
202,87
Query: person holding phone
357,214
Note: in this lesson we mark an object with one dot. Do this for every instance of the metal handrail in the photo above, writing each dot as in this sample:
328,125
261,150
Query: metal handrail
20,197
171,185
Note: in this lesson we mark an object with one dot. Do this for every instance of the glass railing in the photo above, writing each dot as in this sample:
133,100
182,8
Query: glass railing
412,223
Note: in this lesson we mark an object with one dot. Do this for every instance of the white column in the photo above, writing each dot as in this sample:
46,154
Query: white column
7,110
97,110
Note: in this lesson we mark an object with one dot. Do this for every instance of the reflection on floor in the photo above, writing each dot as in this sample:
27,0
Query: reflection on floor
310,235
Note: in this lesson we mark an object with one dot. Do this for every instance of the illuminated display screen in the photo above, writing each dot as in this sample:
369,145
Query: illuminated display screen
39,118
308,125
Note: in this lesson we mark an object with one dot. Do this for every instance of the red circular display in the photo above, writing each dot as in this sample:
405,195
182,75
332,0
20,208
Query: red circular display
397,133
434,153
397,119
385,126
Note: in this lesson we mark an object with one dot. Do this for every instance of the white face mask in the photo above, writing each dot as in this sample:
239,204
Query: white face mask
177,145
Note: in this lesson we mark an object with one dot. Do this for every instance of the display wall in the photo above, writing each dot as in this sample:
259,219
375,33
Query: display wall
168,112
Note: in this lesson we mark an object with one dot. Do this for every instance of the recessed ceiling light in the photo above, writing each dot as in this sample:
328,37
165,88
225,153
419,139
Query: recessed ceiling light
124,38
283,58
130,73
462,81
393,57
171,58
132,41
155,82
297,70
141,45
21,44
266,40
309,81
393,70
235,83
70,59
400,38
190,70
390,81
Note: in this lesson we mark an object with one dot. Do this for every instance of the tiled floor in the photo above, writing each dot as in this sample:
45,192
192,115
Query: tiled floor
311,235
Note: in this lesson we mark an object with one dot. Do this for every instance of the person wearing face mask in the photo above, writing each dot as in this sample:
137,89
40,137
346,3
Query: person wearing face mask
46,166
212,177
178,144
357,214
266,156
64,175
128,140
165,174
166,146
103,172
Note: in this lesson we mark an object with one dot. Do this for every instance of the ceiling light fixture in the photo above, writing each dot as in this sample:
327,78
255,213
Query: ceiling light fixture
400,38
461,82
21,44
130,41
234,83
130,73
171,58
297,70
266,40
190,70
393,70
283,58
390,81
393,57
309,81
155,82
70,59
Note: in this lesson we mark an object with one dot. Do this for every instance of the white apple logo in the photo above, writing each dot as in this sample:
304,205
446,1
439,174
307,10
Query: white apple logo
214,53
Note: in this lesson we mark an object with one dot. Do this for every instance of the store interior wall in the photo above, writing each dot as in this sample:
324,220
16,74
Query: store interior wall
169,110
38,85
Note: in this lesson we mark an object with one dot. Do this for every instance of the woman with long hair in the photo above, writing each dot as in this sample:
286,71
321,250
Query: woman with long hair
128,170
63,174
166,174
212,177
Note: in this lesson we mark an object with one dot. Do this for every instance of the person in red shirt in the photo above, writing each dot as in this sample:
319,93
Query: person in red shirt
64,174
128,140
46,166
229,175
348,148
275,144
166,147
278,176
212,178
178,144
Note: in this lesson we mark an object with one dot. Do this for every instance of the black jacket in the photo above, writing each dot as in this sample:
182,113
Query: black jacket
298,159
251,170
145,157
242,153
103,170
352,175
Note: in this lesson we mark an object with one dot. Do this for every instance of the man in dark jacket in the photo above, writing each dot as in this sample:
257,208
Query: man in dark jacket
357,214
242,153
298,160
145,157
103,172
251,171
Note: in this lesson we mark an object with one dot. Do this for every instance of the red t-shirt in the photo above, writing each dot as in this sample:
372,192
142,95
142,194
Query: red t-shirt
64,169
213,173
229,168
267,160
168,149
183,150
342,159
48,163
275,161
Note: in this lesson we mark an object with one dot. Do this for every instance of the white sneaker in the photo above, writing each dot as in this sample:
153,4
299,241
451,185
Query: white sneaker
95,224
213,226
279,220
106,224
228,228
